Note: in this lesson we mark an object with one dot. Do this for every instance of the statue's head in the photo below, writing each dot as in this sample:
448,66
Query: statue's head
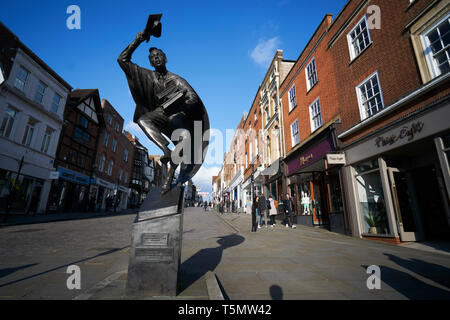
157,58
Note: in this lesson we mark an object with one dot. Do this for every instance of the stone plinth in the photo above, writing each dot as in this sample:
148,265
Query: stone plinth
156,245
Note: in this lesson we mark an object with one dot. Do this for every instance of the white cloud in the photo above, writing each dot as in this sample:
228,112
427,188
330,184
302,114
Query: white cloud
265,50
203,178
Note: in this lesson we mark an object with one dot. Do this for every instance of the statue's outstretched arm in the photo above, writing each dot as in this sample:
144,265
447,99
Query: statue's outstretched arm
124,59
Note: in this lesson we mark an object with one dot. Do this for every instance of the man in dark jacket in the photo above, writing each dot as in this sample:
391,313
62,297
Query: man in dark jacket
288,207
263,211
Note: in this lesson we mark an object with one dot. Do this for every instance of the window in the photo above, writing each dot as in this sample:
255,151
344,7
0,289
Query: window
311,74
101,165
8,122
29,132
370,97
315,115
295,136
358,38
436,43
81,161
81,135
39,96
371,200
292,98
114,145
105,140
120,174
56,102
117,127
21,78
84,122
125,155
125,178
110,167
72,157
109,119
46,141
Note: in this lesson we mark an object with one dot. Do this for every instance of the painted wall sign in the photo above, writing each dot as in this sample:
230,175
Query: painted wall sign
407,132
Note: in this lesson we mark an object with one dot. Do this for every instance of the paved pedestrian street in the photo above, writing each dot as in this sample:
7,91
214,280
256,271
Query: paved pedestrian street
273,263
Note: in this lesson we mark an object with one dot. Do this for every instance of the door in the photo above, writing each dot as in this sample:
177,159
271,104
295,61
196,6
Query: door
405,206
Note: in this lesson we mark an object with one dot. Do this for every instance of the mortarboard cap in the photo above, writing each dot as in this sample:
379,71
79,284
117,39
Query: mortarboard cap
153,27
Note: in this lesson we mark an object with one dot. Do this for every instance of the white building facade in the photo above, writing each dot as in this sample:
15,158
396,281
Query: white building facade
32,101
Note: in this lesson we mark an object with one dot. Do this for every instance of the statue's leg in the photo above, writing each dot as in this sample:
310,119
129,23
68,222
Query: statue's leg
150,124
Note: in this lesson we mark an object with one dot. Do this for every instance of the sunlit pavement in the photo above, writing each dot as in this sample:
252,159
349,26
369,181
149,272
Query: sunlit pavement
273,263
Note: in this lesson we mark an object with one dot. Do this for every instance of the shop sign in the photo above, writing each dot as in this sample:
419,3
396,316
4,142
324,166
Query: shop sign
54,175
72,176
407,132
310,156
336,158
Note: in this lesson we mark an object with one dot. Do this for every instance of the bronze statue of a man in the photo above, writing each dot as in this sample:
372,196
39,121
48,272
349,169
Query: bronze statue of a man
165,102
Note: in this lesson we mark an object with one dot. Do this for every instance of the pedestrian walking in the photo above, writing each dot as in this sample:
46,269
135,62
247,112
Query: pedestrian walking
288,205
254,209
263,211
272,210
258,212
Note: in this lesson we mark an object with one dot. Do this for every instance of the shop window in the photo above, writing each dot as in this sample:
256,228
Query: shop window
371,201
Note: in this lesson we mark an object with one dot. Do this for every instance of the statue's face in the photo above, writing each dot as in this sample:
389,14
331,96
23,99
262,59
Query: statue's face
157,59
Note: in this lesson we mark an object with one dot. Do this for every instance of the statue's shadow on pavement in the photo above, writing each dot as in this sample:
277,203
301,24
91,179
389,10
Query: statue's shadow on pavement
204,260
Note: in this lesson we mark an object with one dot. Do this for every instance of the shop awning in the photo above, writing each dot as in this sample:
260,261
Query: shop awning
272,169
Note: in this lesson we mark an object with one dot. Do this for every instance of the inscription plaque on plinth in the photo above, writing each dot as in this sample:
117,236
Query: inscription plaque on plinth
156,245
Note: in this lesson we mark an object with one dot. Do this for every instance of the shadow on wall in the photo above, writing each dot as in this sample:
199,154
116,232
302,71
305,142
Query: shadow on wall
205,260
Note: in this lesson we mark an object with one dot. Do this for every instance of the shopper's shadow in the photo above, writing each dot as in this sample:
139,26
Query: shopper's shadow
408,285
276,292
204,260
434,272
7,271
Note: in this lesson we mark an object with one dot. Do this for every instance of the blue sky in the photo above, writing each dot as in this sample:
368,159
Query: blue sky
222,48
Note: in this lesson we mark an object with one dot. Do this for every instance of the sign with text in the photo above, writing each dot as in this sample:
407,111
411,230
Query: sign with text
336,158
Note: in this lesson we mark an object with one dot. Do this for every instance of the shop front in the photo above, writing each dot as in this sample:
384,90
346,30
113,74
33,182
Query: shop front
105,194
314,184
398,179
69,193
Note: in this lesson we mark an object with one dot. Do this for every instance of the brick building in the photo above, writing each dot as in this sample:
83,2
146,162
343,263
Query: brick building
76,154
393,85
310,107
114,162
